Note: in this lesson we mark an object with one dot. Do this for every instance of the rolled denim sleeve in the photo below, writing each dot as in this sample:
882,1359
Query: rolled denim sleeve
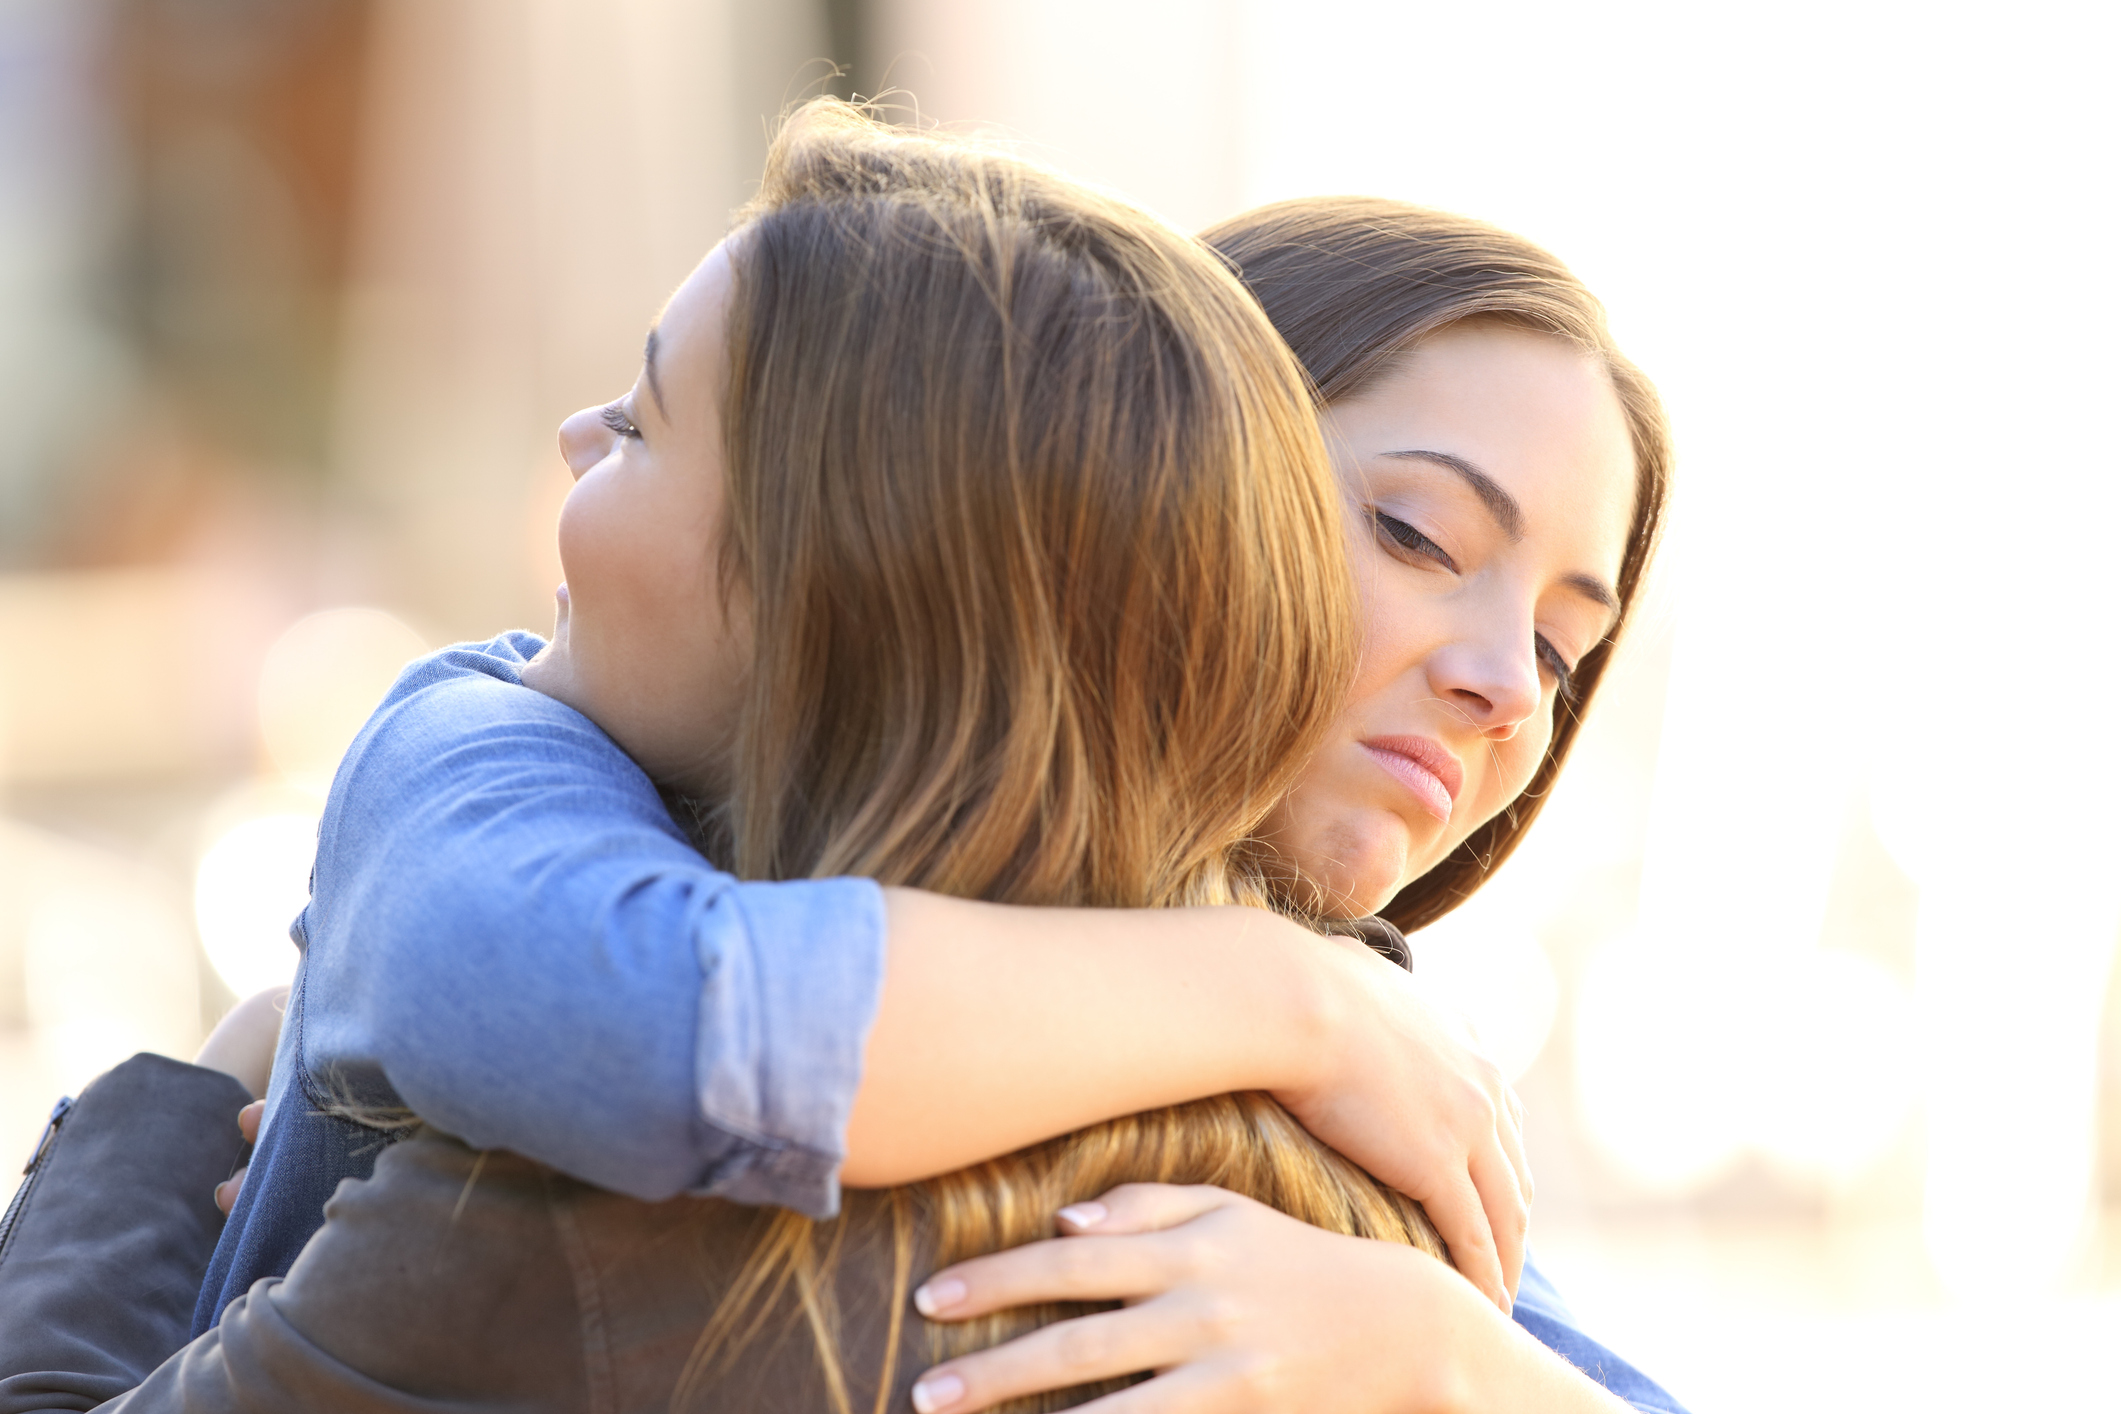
771,1064
508,935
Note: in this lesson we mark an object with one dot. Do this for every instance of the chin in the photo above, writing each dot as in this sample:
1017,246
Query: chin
1359,866
1370,894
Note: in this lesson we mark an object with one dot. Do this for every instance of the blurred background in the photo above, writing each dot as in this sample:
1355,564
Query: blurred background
1807,973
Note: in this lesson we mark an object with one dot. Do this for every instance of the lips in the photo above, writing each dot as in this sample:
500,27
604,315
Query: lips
1429,771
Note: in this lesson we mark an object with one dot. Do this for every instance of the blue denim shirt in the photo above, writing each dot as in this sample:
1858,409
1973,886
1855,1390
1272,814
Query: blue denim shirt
1541,1311
491,867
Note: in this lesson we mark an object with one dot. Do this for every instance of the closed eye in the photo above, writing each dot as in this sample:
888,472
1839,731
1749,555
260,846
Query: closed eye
1414,542
1550,658
615,418
1409,539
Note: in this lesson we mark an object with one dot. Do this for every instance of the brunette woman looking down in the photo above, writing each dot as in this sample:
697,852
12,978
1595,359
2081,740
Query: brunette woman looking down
1509,470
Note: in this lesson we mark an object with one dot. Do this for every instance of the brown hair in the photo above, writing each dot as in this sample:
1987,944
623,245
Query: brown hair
1045,561
1352,283
1050,603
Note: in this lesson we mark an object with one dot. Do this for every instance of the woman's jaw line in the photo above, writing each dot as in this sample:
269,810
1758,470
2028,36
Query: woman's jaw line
1357,860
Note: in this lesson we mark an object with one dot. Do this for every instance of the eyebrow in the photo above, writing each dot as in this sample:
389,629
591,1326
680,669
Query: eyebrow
1509,515
1594,589
1500,503
655,387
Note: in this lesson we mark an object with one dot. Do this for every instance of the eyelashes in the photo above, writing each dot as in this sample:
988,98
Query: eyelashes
615,418
1410,539
1414,542
1550,658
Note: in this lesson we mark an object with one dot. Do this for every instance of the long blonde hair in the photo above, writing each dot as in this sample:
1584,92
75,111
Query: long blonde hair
1047,572
1044,559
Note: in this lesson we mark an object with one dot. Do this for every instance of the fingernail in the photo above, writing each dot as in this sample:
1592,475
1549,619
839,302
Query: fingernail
936,1297
1083,1214
937,1392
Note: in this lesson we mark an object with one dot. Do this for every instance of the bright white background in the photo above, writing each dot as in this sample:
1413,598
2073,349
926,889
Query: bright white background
1831,897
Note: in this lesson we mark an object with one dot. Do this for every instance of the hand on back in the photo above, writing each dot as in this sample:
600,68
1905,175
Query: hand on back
242,1045
1403,1088
1237,1307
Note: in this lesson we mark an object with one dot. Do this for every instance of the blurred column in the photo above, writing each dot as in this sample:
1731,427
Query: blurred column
1999,804
96,963
60,367
539,175
1141,95
2013,975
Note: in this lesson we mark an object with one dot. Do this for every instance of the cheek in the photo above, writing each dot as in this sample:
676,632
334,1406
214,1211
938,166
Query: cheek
1398,627
618,567
580,535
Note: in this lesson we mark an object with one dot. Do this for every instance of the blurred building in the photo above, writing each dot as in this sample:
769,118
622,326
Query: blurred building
297,291
1807,972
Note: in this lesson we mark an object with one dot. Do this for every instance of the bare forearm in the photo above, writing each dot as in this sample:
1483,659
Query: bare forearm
1436,1346
999,1027
1505,1371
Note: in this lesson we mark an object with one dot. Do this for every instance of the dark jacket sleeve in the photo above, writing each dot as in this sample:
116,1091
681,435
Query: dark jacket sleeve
111,1232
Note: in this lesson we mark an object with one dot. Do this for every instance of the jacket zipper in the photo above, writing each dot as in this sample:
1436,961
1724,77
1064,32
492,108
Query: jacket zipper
32,1171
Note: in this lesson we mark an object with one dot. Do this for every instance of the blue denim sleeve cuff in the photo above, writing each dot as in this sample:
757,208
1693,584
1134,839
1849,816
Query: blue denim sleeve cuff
787,998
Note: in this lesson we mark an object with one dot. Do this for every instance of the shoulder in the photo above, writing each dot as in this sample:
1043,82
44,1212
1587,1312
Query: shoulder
460,748
488,673
465,707
412,1272
429,1172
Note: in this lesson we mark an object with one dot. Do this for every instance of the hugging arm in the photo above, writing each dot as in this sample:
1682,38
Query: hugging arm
511,938
1004,1026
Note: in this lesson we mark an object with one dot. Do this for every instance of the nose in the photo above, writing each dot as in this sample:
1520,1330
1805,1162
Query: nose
585,440
1491,676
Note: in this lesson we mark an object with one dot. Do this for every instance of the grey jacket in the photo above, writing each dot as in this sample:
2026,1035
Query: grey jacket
102,1249
452,1282
480,1283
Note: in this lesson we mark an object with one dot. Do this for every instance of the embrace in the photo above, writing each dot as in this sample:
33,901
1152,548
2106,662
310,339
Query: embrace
925,931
